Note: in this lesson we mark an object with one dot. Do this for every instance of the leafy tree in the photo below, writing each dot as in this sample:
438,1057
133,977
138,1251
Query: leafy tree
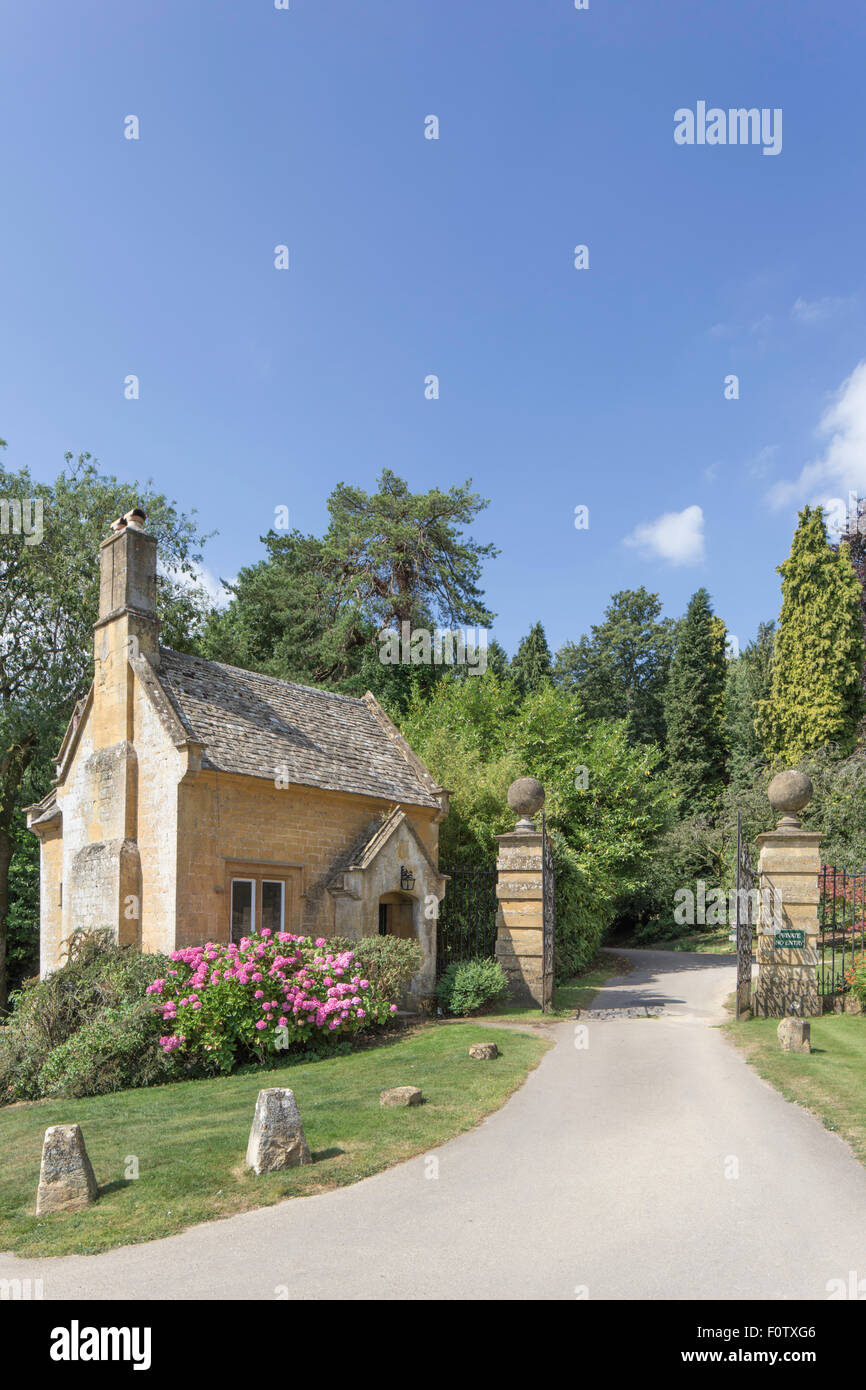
816,694
531,666
621,670
748,683
49,594
693,707
605,802
311,611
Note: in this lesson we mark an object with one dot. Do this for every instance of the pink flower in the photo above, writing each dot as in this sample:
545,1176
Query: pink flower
261,1024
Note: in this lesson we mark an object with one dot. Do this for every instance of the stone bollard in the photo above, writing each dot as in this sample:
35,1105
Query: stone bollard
401,1095
277,1138
66,1179
795,1035
484,1052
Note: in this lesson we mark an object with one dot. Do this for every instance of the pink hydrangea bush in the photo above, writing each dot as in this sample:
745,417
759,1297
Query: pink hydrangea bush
260,997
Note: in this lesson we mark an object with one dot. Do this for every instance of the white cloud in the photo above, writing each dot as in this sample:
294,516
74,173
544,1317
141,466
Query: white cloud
842,465
677,537
819,310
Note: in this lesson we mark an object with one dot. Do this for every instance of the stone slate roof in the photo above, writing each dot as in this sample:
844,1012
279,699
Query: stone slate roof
256,725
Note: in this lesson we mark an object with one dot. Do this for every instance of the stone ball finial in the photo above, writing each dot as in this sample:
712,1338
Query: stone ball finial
526,797
788,793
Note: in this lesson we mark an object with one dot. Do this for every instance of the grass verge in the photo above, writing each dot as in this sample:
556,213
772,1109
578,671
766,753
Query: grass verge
829,1082
189,1138
571,995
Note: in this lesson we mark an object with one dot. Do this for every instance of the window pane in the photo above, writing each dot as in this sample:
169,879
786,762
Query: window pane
242,908
272,905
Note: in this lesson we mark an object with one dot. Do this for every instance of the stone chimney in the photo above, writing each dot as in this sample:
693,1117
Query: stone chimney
127,580
127,626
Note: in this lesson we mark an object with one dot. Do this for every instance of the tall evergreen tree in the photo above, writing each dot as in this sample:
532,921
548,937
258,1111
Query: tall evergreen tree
816,696
854,536
621,669
313,608
749,680
694,701
531,666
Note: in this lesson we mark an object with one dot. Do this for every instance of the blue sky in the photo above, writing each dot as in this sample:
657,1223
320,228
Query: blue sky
601,387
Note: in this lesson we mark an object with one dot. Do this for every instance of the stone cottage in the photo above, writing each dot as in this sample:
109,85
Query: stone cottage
195,801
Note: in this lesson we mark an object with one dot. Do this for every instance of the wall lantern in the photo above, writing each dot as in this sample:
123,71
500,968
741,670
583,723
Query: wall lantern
407,879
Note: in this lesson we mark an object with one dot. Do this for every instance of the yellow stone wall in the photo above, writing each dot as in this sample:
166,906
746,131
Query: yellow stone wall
227,819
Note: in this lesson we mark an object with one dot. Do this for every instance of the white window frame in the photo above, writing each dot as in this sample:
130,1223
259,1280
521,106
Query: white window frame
282,886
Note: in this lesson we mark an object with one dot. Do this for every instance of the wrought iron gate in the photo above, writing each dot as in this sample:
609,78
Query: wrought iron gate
548,917
467,914
745,922
842,926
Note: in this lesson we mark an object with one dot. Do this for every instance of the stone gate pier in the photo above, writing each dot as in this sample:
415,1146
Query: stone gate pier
520,890
788,867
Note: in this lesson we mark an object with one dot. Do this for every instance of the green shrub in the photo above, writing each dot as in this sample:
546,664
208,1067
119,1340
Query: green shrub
468,985
97,975
389,962
116,1050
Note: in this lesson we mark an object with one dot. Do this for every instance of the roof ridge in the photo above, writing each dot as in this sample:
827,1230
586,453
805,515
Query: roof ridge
261,675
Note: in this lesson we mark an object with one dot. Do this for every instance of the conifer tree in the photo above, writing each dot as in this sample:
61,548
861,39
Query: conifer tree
621,669
749,680
816,696
694,702
531,666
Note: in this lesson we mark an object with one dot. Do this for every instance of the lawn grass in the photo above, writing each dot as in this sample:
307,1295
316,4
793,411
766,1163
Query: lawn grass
190,1137
831,1082
571,995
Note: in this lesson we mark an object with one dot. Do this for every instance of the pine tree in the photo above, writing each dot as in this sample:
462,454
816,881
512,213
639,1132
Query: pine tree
816,696
694,700
621,669
531,666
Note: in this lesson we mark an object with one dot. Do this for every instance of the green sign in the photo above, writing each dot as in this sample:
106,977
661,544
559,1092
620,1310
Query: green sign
789,940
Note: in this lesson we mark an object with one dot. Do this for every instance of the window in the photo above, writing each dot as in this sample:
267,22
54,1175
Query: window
259,899
384,925
273,904
243,907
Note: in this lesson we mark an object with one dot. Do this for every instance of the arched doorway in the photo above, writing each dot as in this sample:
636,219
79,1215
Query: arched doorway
397,915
